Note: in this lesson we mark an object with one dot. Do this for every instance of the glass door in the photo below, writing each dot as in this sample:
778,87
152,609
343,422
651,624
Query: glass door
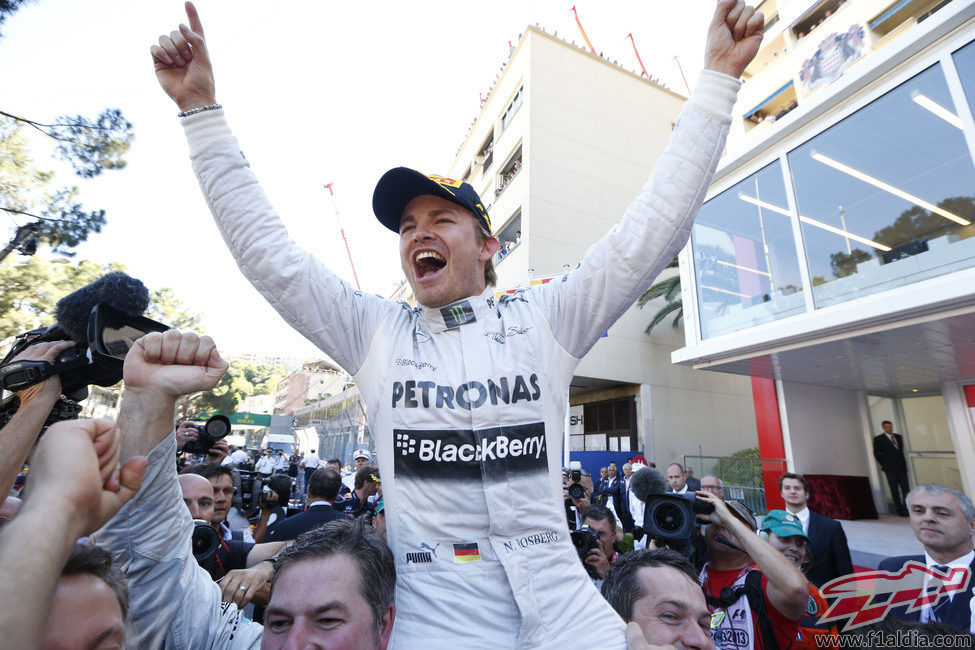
930,449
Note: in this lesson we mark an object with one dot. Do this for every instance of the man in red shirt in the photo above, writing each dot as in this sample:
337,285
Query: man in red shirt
753,591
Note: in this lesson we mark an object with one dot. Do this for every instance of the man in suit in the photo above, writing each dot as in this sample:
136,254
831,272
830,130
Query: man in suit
831,553
693,485
675,477
944,522
888,449
323,489
616,488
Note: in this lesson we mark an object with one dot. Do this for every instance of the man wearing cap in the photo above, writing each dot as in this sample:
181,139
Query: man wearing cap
466,393
784,532
360,502
360,458
741,564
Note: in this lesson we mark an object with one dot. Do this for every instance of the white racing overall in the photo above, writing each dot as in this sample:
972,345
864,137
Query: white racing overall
467,403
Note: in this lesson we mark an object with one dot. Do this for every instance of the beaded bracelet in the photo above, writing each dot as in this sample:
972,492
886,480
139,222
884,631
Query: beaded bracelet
200,109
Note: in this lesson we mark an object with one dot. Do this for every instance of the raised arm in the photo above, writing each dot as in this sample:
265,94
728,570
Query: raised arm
183,64
734,36
788,589
621,265
173,601
76,486
158,369
36,402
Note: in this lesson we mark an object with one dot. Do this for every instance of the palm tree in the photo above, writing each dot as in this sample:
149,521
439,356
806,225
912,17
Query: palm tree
669,290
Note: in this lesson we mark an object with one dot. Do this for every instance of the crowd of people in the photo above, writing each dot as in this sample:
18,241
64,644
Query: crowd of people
465,541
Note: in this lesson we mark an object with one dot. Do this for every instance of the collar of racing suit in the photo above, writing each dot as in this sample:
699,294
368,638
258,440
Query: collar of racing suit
459,313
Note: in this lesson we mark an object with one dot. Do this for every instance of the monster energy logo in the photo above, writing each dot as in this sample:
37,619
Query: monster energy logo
457,315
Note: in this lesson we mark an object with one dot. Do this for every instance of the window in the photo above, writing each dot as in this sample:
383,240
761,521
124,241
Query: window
745,258
486,155
610,425
509,171
886,197
513,107
509,236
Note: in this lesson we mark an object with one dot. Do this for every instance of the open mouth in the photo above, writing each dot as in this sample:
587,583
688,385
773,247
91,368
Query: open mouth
427,264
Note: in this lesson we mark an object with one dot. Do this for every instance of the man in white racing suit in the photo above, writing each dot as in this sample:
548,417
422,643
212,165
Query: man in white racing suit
466,394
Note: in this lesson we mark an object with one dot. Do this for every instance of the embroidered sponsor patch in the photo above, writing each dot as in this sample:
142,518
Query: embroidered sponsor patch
457,315
443,180
496,453
467,552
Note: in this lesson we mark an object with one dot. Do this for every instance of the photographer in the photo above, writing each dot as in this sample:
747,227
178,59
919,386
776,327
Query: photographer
231,561
762,595
577,498
18,436
190,431
273,502
602,523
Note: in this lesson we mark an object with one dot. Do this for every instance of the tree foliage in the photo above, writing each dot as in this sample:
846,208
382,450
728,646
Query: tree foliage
242,380
669,290
43,212
742,469
29,290
8,7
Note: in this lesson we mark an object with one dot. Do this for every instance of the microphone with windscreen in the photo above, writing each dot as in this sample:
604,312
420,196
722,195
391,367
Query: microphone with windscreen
667,517
104,319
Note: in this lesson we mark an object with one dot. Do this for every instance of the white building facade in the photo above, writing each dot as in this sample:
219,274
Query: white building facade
834,260
563,143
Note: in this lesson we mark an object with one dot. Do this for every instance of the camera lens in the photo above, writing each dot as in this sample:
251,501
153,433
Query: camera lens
668,518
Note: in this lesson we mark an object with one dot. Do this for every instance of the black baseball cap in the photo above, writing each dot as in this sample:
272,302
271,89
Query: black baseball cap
401,185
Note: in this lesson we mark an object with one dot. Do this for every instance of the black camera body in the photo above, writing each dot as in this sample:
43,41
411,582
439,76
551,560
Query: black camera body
109,333
214,429
576,491
585,540
205,542
671,517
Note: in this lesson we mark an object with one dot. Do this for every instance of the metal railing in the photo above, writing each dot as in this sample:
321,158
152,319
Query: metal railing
742,476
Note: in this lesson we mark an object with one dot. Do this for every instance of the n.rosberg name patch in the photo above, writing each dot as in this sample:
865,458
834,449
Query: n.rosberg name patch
470,454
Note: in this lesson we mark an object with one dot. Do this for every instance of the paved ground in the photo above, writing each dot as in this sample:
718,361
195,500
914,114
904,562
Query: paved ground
871,540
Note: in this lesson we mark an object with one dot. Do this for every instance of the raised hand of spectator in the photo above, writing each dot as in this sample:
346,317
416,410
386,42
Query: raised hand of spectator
183,66
173,363
734,37
75,474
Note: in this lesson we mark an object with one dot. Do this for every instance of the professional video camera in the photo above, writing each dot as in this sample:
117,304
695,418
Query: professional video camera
104,320
212,430
205,542
585,539
668,518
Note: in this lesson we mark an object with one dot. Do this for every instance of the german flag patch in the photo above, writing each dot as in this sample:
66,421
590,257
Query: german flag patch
467,552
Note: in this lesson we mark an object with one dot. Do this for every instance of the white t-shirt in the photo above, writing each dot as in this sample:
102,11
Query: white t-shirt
310,462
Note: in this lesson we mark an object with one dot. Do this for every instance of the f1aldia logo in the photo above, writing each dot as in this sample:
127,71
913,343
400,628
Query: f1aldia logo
471,454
